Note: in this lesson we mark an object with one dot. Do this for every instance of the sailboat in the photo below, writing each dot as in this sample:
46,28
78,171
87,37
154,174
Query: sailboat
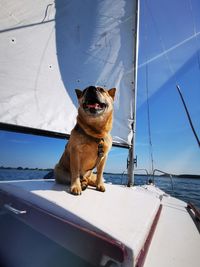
49,48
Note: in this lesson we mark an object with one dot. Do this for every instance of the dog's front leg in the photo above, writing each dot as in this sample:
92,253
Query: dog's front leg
99,182
75,173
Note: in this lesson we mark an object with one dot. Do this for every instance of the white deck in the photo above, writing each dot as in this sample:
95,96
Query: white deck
176,241
125,214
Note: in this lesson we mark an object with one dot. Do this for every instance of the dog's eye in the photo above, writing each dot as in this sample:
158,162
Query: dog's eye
101,89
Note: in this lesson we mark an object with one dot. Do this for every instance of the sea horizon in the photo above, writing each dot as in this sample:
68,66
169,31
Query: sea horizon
181,175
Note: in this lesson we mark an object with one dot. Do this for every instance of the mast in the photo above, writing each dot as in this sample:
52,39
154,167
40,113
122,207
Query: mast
131,155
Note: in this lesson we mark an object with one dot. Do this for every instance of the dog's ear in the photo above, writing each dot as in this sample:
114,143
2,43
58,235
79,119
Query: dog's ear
79,93
112,92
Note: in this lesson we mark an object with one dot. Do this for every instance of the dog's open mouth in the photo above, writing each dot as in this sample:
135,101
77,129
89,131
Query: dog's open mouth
95,107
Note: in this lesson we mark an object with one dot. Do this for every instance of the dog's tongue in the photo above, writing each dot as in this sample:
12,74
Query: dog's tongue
95,106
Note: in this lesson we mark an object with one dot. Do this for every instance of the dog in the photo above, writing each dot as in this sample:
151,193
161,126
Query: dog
90,141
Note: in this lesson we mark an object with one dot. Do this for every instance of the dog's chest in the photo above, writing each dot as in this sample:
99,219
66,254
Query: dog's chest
91,153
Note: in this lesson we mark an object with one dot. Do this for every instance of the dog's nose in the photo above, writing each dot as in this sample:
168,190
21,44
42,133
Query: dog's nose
91,92
92,89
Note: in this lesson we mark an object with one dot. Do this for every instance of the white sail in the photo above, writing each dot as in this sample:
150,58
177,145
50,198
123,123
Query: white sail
49,48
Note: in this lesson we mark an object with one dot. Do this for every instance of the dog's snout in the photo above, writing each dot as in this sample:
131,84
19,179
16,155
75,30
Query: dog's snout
91,89
91,93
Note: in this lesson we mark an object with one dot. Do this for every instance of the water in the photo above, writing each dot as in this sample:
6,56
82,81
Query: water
13,174
186,189
183,188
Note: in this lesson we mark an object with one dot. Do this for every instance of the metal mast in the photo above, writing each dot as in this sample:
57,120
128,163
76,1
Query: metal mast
131,159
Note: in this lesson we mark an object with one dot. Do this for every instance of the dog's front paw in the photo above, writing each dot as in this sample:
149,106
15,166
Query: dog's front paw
76,189
101,187
84,183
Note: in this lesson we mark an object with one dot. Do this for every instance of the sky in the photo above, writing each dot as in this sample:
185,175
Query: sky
168,55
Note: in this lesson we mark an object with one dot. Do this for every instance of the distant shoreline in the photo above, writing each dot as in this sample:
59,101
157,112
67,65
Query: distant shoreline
25,169
188,176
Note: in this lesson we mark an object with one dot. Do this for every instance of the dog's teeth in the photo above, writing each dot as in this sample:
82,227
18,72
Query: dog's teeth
96,106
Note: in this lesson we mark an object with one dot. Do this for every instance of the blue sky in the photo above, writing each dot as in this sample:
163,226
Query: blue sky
43,152
168,54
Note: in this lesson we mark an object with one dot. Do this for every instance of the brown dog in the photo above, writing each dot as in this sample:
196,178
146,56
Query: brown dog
90,141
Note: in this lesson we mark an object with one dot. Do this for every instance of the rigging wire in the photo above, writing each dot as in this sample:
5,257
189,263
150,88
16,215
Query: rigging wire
195,32
149,120
169,61
188,115
148,106
198,60
162,43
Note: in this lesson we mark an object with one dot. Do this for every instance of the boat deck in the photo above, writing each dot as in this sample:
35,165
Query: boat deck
176,240
116,225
